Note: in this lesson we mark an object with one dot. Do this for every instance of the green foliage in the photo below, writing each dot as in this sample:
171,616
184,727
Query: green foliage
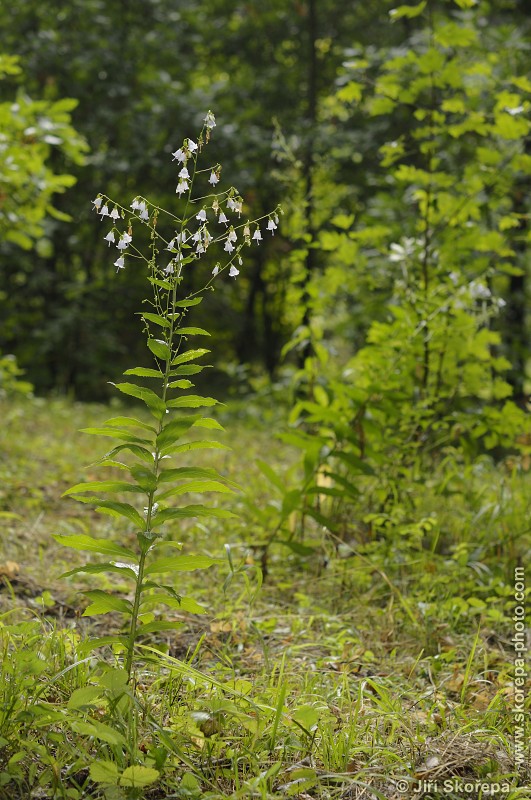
31,131
10,382
429,380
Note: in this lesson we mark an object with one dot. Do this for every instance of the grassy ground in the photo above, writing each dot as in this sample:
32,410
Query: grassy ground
376,666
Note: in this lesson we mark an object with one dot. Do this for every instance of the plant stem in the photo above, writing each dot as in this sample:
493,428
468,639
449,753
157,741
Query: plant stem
134,614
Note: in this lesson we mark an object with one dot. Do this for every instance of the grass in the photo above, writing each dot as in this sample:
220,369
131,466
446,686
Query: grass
364,667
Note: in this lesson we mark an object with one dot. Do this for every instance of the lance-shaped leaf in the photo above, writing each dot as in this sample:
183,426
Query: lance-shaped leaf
199,445
355,462
182,384
348,487
189,512
145,372
159,348
129,422
159,625
115,509
104,486
182,603
102,641
152,400
159,283
179,564
192,401
140,452
271,475
103,602
89,544
199,486
192,332
183,473
116,433
188,302
146,478
93,569
189,355
156,319
207,422
188,369
174,430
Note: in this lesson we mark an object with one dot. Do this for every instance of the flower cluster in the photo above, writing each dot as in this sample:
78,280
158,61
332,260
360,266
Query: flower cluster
194,234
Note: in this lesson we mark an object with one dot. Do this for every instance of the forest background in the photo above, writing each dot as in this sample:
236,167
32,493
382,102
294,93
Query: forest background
308,96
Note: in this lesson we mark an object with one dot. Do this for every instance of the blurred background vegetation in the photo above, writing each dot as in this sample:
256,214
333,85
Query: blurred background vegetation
311,97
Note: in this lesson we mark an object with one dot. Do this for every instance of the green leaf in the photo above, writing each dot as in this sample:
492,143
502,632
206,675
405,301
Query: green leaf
152,400
407,11
182,384
207,422
192,332
115,433
196,486
191,301
159,348
158,320
88,544
94,569
146,478
174,430
189,355
271,475
297,547
143,372
104,486
183,473
115,509
179,564
138,777
160,284
99,731
183,603
85,696
192,401
103,602
355,462
188,369
89,645
199,445
159,625
140,452
189,512
129,422
104,772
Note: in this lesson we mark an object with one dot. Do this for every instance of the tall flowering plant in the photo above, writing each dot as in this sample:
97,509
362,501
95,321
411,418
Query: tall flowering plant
150,455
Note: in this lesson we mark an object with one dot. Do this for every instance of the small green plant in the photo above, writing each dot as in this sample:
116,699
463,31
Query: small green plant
10,378
146,451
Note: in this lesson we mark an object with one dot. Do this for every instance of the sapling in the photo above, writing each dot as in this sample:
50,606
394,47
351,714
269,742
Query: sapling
146,452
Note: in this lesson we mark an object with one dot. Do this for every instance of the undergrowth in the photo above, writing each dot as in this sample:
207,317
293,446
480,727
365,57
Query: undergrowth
362,667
